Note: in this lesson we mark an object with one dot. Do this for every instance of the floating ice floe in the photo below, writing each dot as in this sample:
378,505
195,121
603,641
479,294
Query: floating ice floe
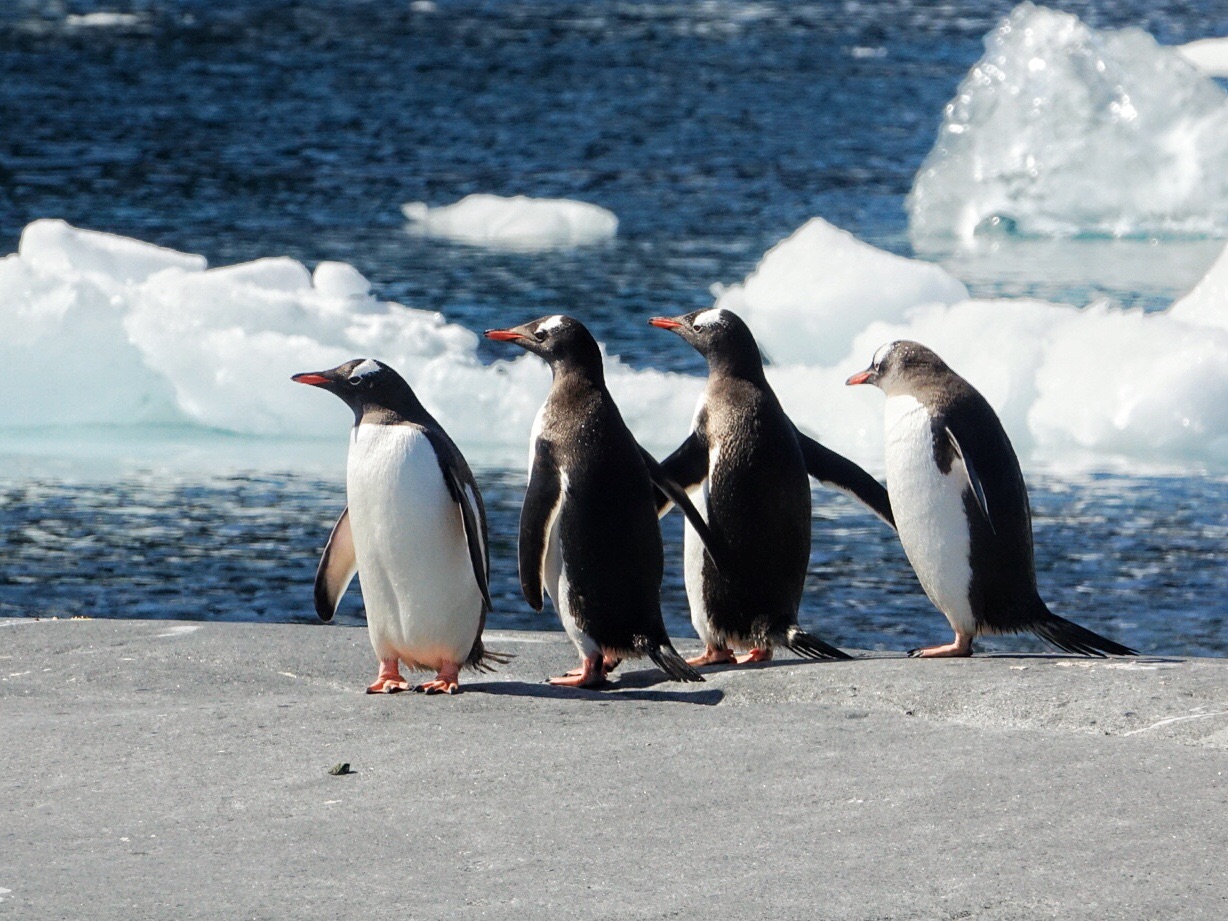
101,19
1061,129
517,222
100,330
97,329
810,293
1210,55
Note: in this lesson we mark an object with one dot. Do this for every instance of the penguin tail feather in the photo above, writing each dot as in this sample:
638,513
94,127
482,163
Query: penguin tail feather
1070,637
811,647
669,661
482,659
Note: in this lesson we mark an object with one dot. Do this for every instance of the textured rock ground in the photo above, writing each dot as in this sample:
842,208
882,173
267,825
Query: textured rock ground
153,770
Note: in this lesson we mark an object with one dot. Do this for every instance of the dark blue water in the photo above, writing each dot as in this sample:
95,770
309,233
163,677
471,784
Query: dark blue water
247,128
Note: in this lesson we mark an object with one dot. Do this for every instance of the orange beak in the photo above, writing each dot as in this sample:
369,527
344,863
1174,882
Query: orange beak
313,379
503,335
664,323
861,377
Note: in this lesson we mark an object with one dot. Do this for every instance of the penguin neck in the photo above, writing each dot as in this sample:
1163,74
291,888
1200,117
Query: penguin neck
572,374
737,367
399,405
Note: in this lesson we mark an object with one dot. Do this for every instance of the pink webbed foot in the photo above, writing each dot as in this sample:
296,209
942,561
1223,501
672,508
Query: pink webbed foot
608,664
714,655
757,654
389,680
590,675
446,682
959,648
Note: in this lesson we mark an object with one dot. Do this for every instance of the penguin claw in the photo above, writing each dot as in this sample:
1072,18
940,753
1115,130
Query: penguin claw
388,686
960,648
438,686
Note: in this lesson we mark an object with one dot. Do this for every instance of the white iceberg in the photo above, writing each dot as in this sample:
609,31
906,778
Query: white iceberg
811,293
101,331
515,222
1061,129
1210,55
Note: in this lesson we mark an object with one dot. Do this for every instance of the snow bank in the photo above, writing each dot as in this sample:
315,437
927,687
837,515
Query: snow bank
513,223
103,331
1060,129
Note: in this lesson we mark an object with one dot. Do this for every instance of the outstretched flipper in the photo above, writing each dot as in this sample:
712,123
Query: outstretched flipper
338,564
687,466
716,550
832,469
542,500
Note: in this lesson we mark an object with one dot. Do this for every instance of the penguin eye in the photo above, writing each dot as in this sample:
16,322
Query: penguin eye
355,381
540,335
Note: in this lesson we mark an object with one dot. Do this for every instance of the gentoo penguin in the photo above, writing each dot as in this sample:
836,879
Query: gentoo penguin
961,506
588,528
752,463
414,530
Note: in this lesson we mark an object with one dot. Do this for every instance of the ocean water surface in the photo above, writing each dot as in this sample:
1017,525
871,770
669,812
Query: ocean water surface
246,129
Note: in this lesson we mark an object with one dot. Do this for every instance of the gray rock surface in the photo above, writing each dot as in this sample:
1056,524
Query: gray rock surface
168,770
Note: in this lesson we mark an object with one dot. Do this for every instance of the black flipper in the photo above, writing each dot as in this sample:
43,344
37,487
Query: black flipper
810,646
667,659
716,551
463,489
687,466
1070,637
974,479
542,499
337,568
832,469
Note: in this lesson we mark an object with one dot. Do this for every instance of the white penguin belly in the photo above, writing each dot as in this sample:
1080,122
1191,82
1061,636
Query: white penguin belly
929,510
554,577
422,599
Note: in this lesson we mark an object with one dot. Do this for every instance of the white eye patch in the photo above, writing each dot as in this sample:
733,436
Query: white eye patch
367,367
881,354
708,317
550,324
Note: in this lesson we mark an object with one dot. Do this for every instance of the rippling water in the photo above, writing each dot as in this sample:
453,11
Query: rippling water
1140,560
247,128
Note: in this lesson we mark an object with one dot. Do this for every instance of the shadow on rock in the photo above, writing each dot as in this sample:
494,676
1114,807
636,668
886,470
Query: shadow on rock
625,689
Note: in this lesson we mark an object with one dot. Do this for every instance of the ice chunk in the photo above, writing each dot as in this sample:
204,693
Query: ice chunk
1060,129
102,20
339,279
812,292
148,337
1210,55
1207,303
513,223
54,247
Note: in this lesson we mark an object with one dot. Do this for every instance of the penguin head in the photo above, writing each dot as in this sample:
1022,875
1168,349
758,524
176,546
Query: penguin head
720,335
562,341
363,383
901,367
